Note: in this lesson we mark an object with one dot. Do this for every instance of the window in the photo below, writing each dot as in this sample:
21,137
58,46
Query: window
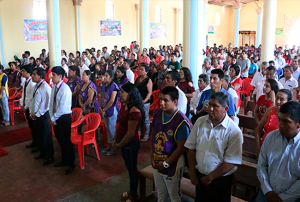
218,19
157,13
39,9
109,10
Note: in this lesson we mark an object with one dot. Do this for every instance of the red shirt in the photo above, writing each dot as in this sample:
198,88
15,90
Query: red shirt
239,81
123,117
157,60
263,105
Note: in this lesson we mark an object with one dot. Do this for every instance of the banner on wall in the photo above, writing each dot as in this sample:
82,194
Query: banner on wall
279,31
35,30
211,29
158,30
110,28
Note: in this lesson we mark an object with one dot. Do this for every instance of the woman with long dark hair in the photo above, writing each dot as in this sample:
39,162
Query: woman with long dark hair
121,79
48,77
74,83
236,81
130,119
186,85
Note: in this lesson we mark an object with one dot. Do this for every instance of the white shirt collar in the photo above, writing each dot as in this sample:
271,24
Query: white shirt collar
224,123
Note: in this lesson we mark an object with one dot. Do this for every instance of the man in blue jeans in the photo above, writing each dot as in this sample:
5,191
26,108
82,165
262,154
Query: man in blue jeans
4,97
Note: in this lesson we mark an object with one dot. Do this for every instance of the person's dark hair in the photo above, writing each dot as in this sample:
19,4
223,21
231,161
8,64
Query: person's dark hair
110,72
204,77
264,63
38,59
171,91
273,85
222,97
289,68
27,52
187,74
254,60
272,62
121,69
59,71
219,72
175,76
92,78
71,54
32,58
287,92
94,58
44,49
64,59
64,52
237,69
84,52
19,61
271,68
75,69
78,52
293,109
14,63
28,68
135,99
145,66
40,71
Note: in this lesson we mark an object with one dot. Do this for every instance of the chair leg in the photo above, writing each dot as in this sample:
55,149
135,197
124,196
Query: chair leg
20,113
96,148
81,156
86,149
12,117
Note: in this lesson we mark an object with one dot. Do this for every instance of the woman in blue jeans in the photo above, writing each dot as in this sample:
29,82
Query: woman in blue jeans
130,119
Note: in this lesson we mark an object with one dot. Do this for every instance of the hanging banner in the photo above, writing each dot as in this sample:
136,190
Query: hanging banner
110,28
279,31
35,30
211,29
158,30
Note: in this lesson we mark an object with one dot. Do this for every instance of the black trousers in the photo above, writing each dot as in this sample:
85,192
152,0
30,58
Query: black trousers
43,132
31,127
63,135
219,190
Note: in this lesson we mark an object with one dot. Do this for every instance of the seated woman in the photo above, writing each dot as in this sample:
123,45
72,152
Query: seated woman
74,83
88,94
269,121
121,79
265,101
236,82
130,119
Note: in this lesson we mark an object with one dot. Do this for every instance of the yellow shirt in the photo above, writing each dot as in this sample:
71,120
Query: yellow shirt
6,85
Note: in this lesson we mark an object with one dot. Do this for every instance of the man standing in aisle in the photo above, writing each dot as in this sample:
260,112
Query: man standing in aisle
60,118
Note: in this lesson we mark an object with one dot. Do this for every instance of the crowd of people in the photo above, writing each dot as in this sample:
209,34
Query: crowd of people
198,124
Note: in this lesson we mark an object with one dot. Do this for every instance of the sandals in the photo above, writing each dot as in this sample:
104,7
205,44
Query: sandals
125,196
145,139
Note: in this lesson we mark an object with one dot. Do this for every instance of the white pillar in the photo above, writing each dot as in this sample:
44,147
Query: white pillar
144,24
77,5
186,33
204,22
268,31
258,29
137,8
176,11
237,7
53,24
2,61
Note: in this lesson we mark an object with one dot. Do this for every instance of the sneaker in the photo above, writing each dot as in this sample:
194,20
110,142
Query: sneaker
111,152
105,150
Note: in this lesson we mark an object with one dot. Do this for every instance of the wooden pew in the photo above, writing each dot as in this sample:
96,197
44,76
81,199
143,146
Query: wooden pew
250,107
187,187
247,124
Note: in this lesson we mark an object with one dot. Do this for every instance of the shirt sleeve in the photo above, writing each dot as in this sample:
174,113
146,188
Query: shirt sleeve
231,109
200,105
233,153
191,142
292,193
182,132
64,103
3,81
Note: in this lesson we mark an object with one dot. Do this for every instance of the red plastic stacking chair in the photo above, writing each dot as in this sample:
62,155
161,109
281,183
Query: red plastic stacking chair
14,104
153,107
88,137
247,88
155,94
136,74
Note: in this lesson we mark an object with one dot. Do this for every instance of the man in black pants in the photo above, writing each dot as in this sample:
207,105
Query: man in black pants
39,113
26,99
60,118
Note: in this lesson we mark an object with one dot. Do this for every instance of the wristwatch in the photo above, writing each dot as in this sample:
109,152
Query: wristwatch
166,165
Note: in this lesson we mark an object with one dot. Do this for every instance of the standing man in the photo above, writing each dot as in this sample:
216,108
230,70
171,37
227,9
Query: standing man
170,130
174,64
296,69
39,113
279,158
82,67
244,64
288,81
38,63
26,100
87,62
60,118
215,146
129,73
259,75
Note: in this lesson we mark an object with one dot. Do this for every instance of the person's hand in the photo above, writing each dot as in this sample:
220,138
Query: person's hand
53,123
194,179
206,108
273,197
23,109
153,163
205,180
117,146
102,113
159,165
192,112
33,116
272,95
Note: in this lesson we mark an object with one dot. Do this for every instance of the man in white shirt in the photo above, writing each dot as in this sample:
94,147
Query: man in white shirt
27,58
39,113
63,55
270,74
38,62
98,56
26,99
203,84
87,62
296,69
123,52
288,81
105,53
259,75
82,67
44,54
172,79
280,60
60,118
129,73
65,66
207,67
215,147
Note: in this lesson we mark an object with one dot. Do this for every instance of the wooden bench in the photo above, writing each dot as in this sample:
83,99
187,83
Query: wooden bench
187,187
248,123
250,107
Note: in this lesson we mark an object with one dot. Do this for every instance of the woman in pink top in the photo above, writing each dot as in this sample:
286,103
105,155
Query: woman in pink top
144,58
221,56
216,64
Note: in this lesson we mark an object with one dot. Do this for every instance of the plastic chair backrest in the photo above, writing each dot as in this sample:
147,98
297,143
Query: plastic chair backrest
247,85
76,114
154,106
12,92
136,74
92,121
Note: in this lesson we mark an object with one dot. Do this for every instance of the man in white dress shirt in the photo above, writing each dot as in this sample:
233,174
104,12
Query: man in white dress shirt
203,84
259,75
207,67
83,67
296,69
105,53
27,58
288,81
65,66
270,74
38,63
215,147
60,118
129,73
39,113
26,99
87,62
173,79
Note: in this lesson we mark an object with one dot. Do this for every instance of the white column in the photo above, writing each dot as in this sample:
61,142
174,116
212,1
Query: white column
237,7
268,31
137,8
186,33
176,11
258,29
204,22
77,5
2,61
53,24
144,24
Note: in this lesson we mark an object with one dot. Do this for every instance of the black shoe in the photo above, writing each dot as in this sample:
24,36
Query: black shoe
59,164
35,150
69,170
39,157
30,145
47,161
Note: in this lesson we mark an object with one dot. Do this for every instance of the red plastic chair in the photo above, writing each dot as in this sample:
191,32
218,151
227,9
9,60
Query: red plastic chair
247,88
153,107
12,92
14,105
155,94
76,114
88,137
98,82
136,74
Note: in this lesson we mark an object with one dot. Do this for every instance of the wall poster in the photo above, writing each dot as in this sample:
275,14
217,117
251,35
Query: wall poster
110,28
35,30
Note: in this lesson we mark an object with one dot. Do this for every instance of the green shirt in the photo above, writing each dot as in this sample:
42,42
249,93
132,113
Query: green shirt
174,66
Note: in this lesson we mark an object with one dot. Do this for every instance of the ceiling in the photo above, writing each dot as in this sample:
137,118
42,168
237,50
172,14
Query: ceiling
229,2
